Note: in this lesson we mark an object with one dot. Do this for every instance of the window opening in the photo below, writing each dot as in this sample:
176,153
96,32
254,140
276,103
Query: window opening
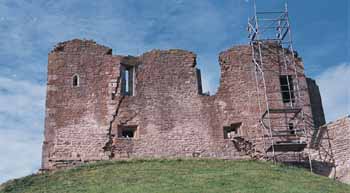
231,131
113,95
287,88
127,131
127,81
75,81
291,128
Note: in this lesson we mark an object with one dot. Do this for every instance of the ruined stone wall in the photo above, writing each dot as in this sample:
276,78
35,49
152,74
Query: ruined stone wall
166,108
168,113
173,119
332,152
76,121
238,97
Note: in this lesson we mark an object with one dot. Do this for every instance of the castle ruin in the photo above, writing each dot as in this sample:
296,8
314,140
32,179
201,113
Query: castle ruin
101,106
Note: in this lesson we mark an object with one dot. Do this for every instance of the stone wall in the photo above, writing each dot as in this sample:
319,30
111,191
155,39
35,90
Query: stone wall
332,154
167,113
76,123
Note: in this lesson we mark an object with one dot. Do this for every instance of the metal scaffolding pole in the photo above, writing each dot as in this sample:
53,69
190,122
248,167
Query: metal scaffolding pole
274,27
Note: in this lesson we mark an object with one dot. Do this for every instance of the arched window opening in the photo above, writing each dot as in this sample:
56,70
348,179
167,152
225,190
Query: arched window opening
75,80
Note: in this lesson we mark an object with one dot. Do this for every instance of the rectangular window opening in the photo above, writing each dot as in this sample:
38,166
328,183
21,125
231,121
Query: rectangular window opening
291,128
231,131
127,81
75,81
287,88
127,132
127,87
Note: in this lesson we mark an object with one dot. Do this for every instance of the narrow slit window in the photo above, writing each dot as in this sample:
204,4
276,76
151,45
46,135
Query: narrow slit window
127,81
75,80
113,95
127,71
291,128
287,88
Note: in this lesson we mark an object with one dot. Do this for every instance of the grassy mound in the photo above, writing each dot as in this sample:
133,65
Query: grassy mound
165,176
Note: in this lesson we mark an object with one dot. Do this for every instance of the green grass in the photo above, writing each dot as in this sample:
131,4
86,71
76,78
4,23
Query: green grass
163,176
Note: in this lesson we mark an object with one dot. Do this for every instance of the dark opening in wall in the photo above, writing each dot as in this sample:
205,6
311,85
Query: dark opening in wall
127,75
113,95
291,128
127,131
75,80
109,52
287,88
199,81
231,130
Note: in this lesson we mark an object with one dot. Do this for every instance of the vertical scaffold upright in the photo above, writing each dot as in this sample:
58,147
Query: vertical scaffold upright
285,126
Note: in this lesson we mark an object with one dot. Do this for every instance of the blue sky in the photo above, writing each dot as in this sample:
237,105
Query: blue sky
30,28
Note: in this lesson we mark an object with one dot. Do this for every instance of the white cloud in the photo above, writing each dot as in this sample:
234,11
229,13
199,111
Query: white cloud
29,29
21,127
335,91
20,154
17,95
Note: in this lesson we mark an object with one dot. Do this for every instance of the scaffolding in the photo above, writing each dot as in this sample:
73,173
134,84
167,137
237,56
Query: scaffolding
285,126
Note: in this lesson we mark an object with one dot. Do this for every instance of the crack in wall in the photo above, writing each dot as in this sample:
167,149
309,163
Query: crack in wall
108,145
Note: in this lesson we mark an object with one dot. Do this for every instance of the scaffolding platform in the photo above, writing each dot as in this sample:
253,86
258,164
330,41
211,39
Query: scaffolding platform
286,133
283,122
284,111
287,147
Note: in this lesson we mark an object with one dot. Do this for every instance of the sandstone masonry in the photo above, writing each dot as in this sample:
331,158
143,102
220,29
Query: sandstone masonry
101,106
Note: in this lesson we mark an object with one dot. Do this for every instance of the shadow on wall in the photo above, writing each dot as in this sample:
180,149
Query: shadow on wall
324,168
331,150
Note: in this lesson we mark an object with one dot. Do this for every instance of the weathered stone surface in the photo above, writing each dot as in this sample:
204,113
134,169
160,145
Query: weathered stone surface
167,111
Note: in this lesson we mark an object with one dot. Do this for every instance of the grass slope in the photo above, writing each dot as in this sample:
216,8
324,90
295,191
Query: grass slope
165,176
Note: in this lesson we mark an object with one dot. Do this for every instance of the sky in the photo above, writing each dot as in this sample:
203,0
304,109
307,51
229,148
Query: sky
29,29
